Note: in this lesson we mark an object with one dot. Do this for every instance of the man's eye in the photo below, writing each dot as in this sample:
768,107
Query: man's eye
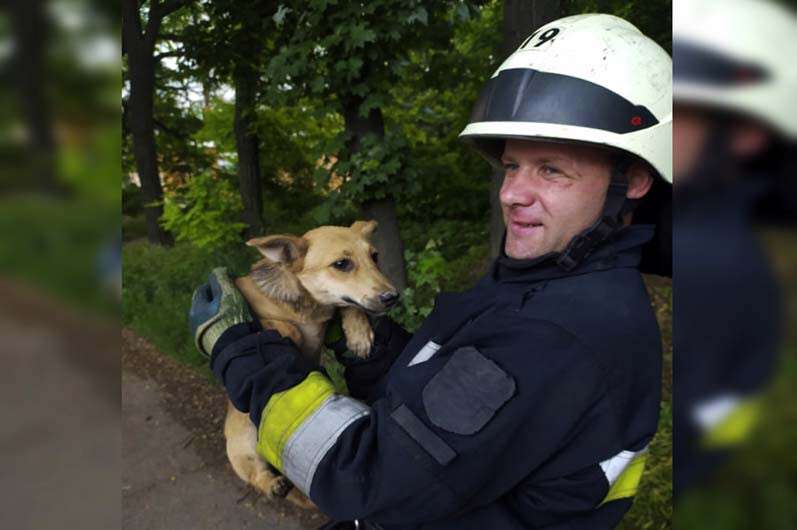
343,265
510,167
550,171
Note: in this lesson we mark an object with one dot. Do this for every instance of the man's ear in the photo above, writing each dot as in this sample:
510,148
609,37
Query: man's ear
640,180
280,248
366,228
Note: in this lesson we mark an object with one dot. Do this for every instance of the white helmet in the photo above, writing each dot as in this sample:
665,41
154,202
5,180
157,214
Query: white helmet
587,78
738,55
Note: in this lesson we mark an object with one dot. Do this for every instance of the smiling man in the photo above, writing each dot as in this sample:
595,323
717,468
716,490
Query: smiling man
552,192
529,400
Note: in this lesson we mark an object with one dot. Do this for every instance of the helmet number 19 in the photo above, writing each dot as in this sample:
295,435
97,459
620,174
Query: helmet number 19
541,39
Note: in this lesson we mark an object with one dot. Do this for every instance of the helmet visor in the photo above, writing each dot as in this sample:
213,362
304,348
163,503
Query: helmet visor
527,95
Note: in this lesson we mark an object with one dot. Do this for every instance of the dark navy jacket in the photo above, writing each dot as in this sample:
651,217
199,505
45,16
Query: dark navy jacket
727,319
540,375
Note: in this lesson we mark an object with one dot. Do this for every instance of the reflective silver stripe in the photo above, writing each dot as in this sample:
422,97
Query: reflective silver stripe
425,353
316,435
614,466
709,413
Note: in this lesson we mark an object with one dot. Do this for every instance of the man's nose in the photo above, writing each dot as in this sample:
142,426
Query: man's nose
518,190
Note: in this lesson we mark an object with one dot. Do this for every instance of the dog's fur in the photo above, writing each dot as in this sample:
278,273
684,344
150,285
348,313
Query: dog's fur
295,290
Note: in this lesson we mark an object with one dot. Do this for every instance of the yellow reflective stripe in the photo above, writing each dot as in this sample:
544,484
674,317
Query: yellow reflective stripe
627,483
286,411
736,427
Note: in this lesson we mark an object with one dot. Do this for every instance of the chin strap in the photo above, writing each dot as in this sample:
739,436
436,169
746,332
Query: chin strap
611,220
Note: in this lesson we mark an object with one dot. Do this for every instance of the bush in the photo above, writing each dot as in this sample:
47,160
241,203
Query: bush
56,244
158,285
452,260
206,212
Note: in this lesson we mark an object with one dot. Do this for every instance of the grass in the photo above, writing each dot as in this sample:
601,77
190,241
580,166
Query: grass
55,244
158,285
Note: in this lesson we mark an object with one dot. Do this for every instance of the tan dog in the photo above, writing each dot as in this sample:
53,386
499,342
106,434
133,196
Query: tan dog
295,290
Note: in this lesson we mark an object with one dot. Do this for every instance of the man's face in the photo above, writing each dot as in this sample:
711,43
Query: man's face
551,192
745,139
690,129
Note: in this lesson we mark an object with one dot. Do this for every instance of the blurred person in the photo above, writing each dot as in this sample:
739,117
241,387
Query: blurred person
734,118
529,400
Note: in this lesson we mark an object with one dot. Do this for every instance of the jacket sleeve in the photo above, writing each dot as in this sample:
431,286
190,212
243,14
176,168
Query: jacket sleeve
468,424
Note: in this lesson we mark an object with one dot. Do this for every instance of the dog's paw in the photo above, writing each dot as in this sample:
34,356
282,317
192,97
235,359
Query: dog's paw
359,335
280,487
361,345
296,498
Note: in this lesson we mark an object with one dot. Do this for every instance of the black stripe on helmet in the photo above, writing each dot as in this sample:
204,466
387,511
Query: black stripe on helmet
696,64
526,95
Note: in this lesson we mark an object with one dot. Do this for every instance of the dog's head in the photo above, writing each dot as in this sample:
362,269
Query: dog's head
335,265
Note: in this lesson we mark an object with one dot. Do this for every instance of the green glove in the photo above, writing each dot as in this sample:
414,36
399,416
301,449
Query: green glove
215,307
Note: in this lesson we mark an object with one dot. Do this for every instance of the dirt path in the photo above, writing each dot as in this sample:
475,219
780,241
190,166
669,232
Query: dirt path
59,439
175,473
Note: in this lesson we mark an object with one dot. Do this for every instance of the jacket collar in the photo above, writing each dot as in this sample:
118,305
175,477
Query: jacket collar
623,250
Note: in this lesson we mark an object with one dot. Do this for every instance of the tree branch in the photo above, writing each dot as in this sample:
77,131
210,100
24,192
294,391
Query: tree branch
172,36
171,53
163,9
168,130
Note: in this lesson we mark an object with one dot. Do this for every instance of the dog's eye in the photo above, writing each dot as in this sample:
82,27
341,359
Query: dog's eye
375,257
343,265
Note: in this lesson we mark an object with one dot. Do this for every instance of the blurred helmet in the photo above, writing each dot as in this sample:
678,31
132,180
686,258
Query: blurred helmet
739,56
588,78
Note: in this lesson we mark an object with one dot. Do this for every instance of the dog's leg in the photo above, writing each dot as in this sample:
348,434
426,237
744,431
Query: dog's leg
241,437
359,335
286,329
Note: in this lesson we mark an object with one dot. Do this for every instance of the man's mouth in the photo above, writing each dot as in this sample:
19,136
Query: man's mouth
525,227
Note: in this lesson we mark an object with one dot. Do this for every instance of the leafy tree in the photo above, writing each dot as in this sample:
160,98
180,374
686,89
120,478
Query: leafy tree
139,38
230,42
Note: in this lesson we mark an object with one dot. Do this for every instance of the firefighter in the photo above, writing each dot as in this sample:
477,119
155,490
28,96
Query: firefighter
735,124
529,400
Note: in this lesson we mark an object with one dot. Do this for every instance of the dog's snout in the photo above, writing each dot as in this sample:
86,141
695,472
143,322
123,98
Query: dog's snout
389,298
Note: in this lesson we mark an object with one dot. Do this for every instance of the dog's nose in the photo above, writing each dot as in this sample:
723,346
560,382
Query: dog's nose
388,298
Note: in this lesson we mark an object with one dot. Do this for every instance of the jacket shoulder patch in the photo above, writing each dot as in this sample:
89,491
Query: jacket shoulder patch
467,392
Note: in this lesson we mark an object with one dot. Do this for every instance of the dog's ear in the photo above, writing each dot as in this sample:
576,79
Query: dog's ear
280,248
366,228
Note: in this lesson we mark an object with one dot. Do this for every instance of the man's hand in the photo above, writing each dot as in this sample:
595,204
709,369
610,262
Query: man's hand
216,307
363,375
253,366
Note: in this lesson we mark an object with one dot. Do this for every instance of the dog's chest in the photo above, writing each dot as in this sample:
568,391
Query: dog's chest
312,338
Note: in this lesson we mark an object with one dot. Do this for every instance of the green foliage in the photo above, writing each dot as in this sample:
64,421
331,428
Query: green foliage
158,285
446,262
337,48
378,170
205,212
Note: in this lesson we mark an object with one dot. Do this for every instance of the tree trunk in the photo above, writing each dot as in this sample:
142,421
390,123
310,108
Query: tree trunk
140,48
521,18
247,145
29,26
387,238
